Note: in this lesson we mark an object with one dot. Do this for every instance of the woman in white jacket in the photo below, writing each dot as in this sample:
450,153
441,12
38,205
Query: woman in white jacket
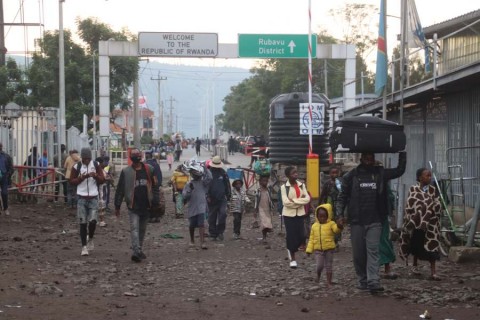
294,198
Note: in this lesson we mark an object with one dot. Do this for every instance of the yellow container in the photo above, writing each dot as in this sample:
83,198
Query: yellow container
313,175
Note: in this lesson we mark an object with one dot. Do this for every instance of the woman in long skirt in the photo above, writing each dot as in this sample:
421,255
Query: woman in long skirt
421,227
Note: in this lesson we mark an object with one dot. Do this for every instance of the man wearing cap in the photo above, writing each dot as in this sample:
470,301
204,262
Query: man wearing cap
87,175
219,193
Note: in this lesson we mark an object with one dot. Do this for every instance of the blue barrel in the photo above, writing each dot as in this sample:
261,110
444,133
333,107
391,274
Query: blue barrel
235,174
289,127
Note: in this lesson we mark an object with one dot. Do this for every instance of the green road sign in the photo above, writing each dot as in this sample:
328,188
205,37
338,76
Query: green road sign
275,45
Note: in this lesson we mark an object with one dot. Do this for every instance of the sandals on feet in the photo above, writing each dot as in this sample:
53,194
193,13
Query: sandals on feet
391,276
434,277
415,270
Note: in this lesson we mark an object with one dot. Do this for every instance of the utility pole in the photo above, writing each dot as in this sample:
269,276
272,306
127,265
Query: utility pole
61,54
160,105
3,50
94,106
403,63
325,75
170,118
136,136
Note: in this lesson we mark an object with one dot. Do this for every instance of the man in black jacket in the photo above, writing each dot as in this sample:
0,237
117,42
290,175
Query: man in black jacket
219,193
364,190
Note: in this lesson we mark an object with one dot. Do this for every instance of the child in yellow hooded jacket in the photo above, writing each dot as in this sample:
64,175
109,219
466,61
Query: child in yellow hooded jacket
322,240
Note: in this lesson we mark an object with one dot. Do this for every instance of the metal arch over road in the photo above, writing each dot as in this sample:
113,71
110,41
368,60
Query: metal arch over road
108,49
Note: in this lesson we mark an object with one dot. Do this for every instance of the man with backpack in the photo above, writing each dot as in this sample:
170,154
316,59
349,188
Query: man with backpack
219,193
87,175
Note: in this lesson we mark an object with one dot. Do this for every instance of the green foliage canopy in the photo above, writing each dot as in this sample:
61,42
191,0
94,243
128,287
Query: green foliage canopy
13,86
43,73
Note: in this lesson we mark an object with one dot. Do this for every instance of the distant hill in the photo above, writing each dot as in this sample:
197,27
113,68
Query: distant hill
192,87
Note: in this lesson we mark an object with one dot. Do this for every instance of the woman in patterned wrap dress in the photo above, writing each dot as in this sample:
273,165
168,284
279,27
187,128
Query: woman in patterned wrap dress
421,226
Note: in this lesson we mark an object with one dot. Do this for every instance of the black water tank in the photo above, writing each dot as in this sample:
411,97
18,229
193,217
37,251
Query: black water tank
289,134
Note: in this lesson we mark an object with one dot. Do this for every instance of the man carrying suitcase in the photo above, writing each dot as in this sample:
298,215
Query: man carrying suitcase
364,191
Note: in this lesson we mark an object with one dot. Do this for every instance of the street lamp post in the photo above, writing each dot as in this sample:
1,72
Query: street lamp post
61,53
94,105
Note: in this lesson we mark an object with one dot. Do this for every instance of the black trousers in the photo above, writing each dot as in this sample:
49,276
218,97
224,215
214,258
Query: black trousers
57,190
237,222
295,232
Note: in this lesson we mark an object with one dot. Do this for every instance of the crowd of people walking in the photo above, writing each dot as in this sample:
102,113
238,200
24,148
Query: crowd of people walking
203,194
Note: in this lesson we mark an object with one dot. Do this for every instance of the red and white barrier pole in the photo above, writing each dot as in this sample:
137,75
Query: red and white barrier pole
313,163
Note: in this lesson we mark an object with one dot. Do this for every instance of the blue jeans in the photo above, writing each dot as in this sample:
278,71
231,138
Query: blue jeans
87,210
365,248
106,193
138,227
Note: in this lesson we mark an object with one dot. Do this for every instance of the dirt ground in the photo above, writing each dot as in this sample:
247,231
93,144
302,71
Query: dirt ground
43,275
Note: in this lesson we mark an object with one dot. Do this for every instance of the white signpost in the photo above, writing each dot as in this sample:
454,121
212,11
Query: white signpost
177,44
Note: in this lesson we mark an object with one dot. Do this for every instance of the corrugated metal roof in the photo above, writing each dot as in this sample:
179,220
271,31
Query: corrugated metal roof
455,80
449,26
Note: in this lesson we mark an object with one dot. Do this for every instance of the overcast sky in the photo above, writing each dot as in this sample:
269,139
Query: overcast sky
228,18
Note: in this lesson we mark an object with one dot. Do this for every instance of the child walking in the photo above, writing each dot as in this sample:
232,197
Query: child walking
237,206
194,194
170,160
264,207
322,240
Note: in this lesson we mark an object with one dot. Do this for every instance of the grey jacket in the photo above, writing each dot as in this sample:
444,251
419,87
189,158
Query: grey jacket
195,194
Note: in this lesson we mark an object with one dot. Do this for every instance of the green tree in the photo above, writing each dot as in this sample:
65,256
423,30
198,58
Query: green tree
356,20
122,69
44,79
416,70
13,87
146,139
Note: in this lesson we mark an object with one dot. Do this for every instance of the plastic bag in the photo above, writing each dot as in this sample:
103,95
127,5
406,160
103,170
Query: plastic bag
262,167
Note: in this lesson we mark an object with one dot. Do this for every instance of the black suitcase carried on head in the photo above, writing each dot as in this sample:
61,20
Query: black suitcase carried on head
367,134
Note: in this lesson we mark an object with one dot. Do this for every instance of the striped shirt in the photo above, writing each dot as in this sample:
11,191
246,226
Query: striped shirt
237,202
